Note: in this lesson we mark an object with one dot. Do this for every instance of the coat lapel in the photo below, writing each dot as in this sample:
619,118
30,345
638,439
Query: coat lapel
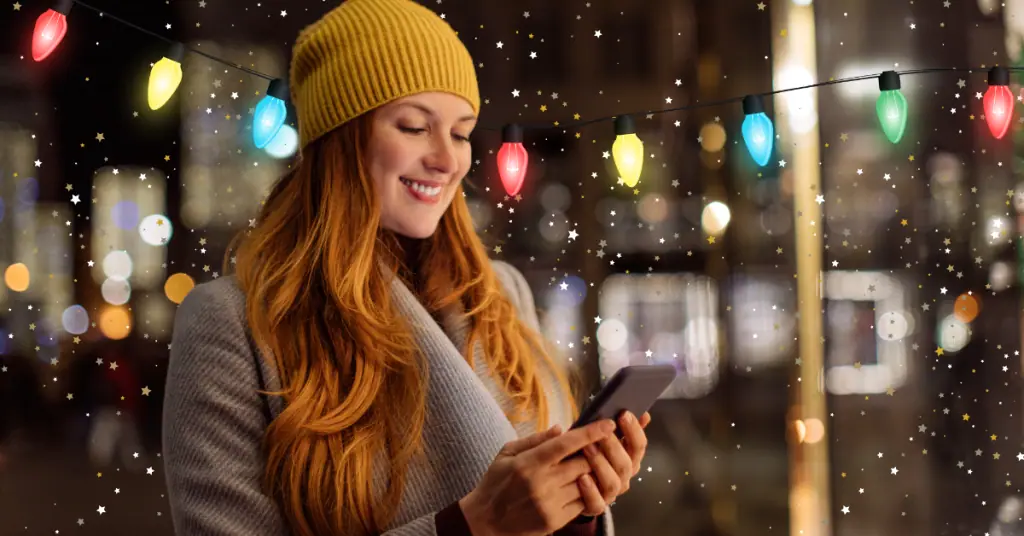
442,346
455,327
466,425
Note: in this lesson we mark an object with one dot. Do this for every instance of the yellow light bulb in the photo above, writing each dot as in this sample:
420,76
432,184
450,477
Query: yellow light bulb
163,82
628,153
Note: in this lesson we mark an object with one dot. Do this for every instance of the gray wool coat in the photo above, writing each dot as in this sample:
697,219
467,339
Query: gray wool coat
214,419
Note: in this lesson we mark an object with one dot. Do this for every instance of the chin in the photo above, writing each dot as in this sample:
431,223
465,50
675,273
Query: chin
418,230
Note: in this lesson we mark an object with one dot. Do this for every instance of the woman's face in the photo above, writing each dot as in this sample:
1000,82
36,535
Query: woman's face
418,153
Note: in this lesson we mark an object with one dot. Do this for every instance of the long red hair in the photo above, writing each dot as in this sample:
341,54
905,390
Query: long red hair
319,306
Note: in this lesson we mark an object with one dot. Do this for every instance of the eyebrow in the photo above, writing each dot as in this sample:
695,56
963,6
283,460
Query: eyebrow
431,113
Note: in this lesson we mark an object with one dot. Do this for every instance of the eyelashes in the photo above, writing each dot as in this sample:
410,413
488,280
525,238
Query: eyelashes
414,131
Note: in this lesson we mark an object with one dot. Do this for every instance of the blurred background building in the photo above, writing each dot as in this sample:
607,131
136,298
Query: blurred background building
896,412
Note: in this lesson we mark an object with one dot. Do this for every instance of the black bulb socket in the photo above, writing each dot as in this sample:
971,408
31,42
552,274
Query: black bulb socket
63,6
889,81
177,52
752,104
999,76
624,125
512,133
278,88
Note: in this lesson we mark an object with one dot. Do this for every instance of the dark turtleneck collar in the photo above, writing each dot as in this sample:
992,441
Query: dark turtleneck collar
411,248
409,254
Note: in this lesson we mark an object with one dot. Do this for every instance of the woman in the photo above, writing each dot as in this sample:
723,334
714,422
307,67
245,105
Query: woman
367,369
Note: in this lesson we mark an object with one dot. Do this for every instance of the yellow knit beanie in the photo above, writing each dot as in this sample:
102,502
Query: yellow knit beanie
366,53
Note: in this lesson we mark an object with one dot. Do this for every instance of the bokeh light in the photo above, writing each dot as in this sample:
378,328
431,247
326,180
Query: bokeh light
953,334
800,430
284,144
612,334
712,137
966,308
803,113
16,277
892,326
75,320
178,286
125,215
555,197
1000,276
554,227
653,208
28,191
571,291
116,291
715,218
810,431
117,264
115,322
156,230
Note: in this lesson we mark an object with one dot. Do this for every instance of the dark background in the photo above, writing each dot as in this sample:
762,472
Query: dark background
719,460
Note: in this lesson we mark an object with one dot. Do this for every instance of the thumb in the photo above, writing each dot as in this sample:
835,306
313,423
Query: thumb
524,444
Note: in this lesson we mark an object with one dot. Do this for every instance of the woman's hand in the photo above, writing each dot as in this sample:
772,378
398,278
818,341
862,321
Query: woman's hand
531,488
613,463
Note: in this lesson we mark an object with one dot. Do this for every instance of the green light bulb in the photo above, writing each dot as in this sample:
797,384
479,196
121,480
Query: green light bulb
892,113
891,107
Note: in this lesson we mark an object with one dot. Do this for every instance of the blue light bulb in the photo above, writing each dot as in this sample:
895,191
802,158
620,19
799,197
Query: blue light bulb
269,117
270,114
758,132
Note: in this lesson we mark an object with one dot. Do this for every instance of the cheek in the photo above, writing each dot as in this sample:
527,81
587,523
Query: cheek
465,163
389,162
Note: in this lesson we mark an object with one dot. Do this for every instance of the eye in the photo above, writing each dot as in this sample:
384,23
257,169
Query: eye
409,130
463,139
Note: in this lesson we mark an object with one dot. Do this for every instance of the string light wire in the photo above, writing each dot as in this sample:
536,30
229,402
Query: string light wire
107,15
627,151
576,124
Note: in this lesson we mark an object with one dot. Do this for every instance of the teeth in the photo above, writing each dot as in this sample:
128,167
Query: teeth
429,191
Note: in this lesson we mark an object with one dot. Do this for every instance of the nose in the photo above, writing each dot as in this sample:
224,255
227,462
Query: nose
442,158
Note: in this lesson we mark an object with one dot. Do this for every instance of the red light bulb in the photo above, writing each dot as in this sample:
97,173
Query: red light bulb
51,27
998,102
512,159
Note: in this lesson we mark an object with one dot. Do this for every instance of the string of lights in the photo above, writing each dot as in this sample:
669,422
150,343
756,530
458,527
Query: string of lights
627,149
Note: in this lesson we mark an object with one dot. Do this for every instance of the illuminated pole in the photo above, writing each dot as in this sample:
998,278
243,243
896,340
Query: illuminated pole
1014,27
794,65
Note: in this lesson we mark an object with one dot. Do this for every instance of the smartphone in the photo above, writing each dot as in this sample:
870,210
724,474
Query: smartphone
634,388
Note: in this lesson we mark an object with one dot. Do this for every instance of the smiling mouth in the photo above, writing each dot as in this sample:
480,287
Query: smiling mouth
421,191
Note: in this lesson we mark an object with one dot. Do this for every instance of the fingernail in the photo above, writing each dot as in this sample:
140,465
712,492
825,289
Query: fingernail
608,427
629,417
